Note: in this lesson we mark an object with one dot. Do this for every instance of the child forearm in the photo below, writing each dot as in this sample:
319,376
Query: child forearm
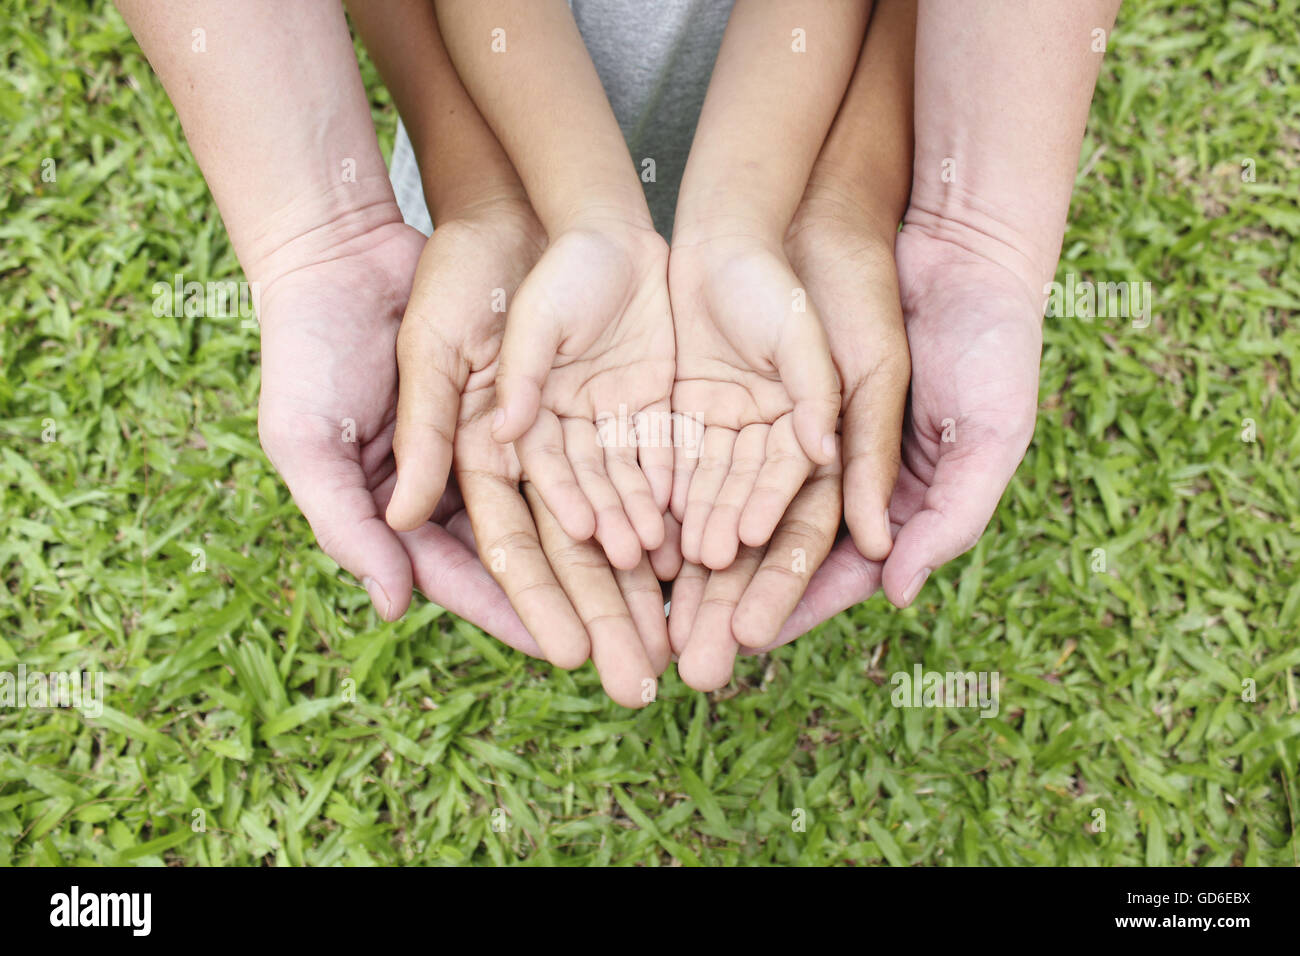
865,167
780,75
462,166
528,72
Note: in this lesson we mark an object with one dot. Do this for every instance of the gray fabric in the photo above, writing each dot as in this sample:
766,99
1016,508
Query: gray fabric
654,59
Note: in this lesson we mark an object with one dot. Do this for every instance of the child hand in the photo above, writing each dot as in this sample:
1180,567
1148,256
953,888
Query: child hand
754,370
847,261
587,355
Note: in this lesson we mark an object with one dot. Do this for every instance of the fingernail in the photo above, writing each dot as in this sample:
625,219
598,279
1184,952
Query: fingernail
379,596
498,419
828,447
914,588
889,533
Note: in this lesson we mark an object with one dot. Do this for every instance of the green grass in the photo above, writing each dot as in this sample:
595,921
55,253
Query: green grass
1122,691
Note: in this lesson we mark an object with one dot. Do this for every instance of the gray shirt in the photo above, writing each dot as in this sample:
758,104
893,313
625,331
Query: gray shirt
655,60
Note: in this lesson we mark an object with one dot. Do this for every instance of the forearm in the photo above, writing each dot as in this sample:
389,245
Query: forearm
1002,95
273,107
771,100
864,170
528,72
462,165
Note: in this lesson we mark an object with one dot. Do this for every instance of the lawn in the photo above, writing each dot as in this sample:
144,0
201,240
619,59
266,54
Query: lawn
1137,591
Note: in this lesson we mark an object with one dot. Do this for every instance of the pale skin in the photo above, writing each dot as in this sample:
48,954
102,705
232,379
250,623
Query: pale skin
334,263
753,363
335,266
588,335
972,262
998,233
486,238
840,245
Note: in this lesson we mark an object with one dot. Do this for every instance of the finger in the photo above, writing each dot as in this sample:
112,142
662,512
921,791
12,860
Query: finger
634,492
620,658
801,542
645,601
688,436
508,546
432,375
722,529
706,481
667,558
534,329
844,579
803,360
872,436
963,494
655,451
329,488
784,471
451,575
613,530
546,464
688,592
710,654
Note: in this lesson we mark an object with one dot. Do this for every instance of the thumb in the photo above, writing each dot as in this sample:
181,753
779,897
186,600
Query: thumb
803,360
332,495
844,579
955,510
431,375
528,349
872,434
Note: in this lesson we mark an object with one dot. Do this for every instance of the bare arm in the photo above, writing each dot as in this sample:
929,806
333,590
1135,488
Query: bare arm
461,163
530,75
780,75
1002,96
273,106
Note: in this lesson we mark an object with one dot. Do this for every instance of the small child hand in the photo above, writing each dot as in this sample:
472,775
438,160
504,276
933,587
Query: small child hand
758,391
589,344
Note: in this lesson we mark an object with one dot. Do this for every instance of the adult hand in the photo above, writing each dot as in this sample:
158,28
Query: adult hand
975,335
328,406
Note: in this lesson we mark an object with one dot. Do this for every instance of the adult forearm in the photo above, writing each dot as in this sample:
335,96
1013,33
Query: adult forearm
1002,95
273,107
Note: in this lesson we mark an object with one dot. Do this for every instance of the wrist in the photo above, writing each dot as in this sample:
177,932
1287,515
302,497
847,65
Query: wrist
616,210
979,229
867,199
508,215
315,226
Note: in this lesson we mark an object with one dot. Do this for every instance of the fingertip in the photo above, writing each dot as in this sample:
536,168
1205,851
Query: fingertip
389,598
652,533
579,523
870,529
719,552
623,556
700,672
406,511
571,655
752,629
518,401
902,581
756,530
